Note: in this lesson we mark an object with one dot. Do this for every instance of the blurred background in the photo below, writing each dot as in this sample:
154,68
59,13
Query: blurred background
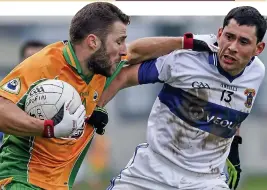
129,110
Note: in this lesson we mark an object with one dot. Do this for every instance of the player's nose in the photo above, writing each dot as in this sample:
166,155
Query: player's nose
233,47
123,50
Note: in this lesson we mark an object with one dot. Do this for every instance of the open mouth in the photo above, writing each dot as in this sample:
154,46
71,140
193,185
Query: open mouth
229,59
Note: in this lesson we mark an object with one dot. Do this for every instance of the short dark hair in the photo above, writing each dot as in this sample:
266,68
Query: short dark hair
95,18
29,44
247,15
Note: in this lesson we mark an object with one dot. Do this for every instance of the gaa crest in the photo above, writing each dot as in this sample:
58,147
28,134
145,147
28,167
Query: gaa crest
250,93
95,97
13,86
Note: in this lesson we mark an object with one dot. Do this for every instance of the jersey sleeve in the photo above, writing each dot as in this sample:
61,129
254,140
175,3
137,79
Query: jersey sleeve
160,69
18,81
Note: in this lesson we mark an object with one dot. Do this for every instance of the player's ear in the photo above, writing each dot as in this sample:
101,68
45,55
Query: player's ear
259,48
219,34
93,42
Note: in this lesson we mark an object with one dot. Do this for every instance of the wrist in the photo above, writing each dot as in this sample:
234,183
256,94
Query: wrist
188,40
48,131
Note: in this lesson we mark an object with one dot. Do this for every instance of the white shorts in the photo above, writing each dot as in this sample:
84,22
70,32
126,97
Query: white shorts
148,170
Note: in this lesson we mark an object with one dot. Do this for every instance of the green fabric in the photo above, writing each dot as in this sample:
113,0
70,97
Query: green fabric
77,68
117,71
17,185
78,163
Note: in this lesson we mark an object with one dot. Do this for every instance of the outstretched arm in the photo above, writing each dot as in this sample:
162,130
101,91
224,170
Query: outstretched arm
147,72
152,47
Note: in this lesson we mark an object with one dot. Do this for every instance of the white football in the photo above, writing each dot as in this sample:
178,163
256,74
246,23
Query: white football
45,99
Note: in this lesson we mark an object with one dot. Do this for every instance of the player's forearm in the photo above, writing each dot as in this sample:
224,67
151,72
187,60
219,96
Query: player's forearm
16,122
117,84
152,47
127,77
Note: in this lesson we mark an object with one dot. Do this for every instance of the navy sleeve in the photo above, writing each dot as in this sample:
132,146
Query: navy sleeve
148,72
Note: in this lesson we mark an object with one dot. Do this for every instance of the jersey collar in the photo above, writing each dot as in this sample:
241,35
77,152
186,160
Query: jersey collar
73,61
214,60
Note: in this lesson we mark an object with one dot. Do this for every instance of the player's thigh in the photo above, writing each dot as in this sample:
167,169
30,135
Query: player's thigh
123,184
129,179
216,184
126,182
143,172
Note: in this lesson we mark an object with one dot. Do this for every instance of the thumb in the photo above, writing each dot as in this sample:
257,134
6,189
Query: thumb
67,105
80,111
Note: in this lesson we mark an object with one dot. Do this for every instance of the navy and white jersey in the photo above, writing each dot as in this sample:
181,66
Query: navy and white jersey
200,107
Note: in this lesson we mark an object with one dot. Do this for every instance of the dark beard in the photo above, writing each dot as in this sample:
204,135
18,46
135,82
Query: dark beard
99,63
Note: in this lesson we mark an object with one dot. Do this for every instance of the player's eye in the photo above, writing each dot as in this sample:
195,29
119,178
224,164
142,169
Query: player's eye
243,42
119,42
229,36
